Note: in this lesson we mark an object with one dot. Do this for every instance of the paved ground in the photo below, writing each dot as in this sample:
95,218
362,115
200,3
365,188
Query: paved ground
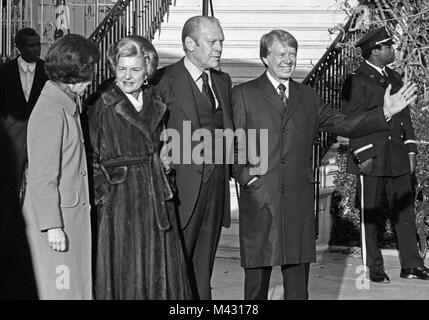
335,276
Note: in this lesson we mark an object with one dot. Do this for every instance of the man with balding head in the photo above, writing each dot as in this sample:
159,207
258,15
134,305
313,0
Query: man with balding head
197,95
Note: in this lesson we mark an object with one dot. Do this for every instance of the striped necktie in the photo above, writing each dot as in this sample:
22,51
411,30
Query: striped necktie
282,93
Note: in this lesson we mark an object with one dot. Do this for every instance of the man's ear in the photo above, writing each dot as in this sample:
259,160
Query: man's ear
190,44
265,60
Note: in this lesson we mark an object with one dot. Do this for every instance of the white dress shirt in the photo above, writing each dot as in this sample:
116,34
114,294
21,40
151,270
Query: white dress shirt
137,103
26,74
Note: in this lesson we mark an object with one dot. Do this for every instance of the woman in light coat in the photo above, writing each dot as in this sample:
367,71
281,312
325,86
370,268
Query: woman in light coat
56,206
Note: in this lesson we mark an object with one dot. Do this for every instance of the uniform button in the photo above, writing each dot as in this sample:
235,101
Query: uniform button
390,138
283,161
83,173
402,123
83,204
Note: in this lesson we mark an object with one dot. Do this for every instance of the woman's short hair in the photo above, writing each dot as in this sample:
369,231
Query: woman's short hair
268,39
134,46
71,59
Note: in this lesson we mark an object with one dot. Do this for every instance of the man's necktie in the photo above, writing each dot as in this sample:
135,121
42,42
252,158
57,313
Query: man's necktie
385,79
207,92
282,93
26,69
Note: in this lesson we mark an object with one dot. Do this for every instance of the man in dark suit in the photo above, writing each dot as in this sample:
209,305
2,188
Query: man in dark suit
21,81
276,208
383,160
198,99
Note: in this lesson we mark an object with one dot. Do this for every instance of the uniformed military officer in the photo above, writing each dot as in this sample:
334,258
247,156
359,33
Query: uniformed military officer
384,161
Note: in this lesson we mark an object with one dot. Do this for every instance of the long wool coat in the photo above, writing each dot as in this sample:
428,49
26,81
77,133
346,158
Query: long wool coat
276,212
58,197
138,249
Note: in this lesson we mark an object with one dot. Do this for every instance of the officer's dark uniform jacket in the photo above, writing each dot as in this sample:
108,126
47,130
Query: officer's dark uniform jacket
363,91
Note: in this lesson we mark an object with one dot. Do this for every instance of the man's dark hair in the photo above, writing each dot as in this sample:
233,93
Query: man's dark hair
21,34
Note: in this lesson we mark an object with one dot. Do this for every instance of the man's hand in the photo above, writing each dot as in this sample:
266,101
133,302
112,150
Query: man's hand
412,157
395,103
57,239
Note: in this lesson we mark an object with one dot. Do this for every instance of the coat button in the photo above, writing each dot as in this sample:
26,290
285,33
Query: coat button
83,204
83,173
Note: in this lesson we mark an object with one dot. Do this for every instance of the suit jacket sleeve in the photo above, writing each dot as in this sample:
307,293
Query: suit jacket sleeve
362,119
240,168
408,130
45,133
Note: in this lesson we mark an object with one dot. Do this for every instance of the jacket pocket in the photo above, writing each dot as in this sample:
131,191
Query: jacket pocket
68,198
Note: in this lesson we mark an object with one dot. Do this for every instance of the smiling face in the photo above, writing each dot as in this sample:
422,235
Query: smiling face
206,49
281,60
130,74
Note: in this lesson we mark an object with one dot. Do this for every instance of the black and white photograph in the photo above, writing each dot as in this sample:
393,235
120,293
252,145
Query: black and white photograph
217,155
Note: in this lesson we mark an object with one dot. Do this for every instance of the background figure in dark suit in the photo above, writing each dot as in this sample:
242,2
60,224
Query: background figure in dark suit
276,208
21,81
383,159
198,95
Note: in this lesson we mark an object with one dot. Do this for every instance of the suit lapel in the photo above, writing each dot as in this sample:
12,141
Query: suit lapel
221,90
15,78
270,94
182,86
374,75
293,100
38,83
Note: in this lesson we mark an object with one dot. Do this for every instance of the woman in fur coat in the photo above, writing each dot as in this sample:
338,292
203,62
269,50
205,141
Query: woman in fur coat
138,248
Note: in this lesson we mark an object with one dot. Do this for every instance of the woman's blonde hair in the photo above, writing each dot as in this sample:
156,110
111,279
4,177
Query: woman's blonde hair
134,46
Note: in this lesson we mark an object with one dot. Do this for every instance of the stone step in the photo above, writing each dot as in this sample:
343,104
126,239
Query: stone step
259,15
258,4
245,51
312,35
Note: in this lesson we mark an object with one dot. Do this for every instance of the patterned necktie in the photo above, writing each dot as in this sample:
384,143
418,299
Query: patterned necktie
282,93
207,92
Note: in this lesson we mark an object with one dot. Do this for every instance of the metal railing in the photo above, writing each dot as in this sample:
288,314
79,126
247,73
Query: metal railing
13,16
206,4
327,77
142,17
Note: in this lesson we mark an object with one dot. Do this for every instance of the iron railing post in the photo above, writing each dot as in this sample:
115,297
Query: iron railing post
205,7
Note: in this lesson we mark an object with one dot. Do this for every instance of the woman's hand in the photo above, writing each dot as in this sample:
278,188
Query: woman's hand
57,239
